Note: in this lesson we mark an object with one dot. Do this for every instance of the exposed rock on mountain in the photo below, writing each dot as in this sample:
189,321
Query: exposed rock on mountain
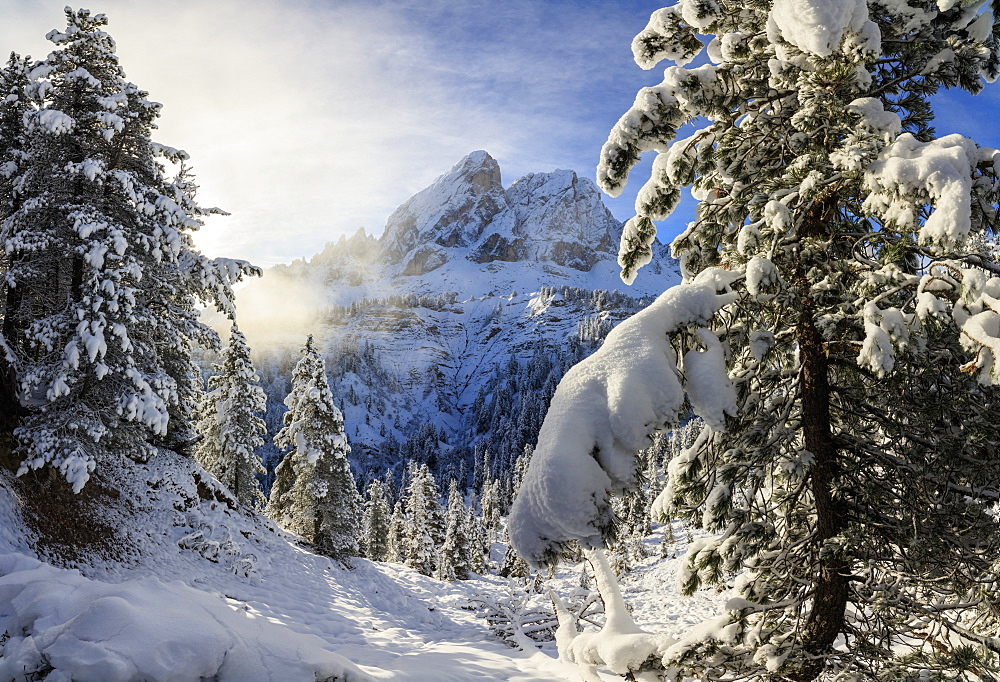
555,217
466,214
451,212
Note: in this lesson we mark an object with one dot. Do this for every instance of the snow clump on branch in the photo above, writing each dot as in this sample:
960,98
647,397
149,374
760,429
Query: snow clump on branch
605,409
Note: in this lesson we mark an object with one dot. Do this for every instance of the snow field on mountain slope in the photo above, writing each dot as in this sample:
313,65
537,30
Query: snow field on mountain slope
81,629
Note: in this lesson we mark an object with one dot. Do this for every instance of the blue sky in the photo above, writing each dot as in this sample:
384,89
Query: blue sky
309,119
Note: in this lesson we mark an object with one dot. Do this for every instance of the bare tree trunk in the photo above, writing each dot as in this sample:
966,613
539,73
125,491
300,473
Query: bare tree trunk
831,578
830,595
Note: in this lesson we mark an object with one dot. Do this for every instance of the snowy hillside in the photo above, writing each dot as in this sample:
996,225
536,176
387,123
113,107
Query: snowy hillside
189,586
467,277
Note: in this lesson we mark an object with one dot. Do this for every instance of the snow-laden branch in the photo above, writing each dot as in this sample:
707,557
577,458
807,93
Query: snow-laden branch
605,409
620,645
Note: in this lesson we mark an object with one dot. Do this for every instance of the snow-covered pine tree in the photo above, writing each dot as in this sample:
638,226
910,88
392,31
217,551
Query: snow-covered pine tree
649,464
375,525
389,487
14,80
631,509
98,247
521,468
395,548
454,557
314,493
480,456
490,503
513,565
479,548
422,533
230,423
846,370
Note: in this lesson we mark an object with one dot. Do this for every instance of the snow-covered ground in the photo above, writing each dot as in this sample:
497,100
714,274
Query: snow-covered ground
224,596
305,620
652,589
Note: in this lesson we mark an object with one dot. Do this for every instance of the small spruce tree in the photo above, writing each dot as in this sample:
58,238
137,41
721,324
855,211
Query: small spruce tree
231,426
479,548
513,566
454,557
490,503
423,511
376,522
395,549
314,493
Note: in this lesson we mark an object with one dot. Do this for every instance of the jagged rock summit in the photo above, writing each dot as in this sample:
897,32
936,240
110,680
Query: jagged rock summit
452,212
467,215
555,217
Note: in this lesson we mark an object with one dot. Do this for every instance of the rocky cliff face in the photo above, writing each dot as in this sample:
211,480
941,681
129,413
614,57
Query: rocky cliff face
555,217
468,281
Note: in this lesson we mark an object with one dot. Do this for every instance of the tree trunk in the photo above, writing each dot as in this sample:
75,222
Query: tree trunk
830,590
12,308
76,283
826,619
10,407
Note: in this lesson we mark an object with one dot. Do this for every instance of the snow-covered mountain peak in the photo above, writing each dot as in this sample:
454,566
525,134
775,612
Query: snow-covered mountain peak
466,213
452,211
466,233
479,168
